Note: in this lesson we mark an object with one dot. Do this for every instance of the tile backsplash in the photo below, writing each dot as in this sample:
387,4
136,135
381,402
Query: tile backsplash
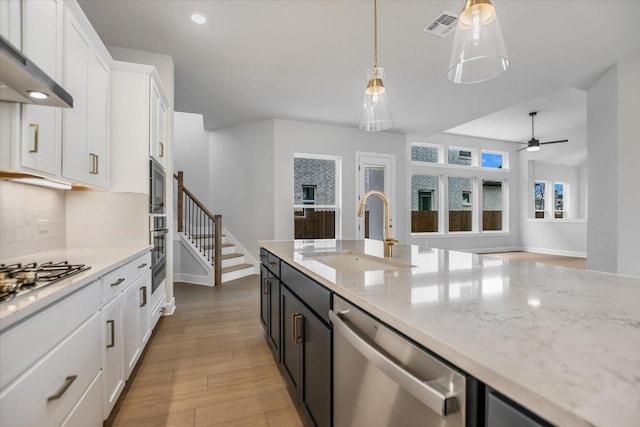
32,219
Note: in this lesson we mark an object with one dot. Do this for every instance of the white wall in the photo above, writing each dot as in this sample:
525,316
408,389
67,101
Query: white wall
613,107
241,176
191,153
312,138
480,242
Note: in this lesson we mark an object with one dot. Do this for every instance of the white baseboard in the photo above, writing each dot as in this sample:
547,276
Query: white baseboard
193,279
493,249
169,308
560,252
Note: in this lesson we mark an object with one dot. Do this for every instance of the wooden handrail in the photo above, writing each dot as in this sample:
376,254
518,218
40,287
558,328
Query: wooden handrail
211,221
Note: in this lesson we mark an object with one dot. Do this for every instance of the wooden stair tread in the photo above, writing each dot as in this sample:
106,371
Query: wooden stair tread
229,256
204,236
224,245
236,267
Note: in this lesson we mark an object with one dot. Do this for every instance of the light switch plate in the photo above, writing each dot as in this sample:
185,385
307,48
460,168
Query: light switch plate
43,226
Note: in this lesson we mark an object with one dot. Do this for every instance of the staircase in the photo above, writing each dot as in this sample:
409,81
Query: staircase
202,232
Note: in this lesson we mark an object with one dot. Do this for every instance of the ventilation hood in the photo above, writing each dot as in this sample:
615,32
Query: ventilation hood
22,81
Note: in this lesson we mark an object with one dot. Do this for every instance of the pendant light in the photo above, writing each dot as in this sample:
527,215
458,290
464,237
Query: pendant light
376,115
479,52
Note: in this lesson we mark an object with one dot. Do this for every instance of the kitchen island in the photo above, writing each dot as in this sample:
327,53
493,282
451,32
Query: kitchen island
563,343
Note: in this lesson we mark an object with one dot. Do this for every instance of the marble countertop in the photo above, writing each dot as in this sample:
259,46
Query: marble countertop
563,342
101,260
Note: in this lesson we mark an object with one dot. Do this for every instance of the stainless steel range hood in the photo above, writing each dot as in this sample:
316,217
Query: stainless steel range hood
22,81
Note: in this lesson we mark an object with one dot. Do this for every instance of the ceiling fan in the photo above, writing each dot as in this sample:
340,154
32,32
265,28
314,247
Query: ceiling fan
534,144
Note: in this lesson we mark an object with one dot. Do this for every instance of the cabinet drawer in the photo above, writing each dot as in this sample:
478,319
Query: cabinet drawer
263,256
114,282
88,411
24,344
502,412
273,262
48,392
138,266
312,293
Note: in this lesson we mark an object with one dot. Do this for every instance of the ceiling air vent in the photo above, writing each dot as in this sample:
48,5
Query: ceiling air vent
444,23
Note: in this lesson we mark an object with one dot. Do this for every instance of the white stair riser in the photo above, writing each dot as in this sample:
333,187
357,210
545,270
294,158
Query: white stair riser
233,275
232,261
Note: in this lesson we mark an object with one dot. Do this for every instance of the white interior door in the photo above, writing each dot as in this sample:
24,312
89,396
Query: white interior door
375,172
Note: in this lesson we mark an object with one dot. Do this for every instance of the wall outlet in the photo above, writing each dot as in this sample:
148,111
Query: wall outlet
43,226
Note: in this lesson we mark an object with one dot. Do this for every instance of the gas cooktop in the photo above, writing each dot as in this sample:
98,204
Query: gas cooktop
19,279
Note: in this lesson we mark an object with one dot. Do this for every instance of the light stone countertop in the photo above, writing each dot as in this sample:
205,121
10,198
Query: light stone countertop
564,343
101,261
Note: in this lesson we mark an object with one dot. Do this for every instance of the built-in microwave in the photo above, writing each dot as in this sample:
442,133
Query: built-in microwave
157,188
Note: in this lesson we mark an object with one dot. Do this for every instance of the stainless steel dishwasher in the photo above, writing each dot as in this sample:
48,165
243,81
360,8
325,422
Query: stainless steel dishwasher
382,379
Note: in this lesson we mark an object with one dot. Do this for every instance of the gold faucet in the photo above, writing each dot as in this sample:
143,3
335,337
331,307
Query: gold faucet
388,241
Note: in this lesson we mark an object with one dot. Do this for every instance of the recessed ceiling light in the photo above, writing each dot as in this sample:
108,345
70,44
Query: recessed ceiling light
37,95
198,19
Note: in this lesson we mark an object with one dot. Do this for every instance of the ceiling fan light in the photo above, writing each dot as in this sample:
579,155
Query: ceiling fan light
479,52
376,114
533,148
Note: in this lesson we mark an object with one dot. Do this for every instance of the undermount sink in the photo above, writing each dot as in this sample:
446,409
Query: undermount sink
349,261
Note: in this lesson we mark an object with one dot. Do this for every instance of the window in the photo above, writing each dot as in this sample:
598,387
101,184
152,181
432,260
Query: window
424,203
460,204
558,202
425,153
308,194
460,156
492,160
539,195
315,204
492,205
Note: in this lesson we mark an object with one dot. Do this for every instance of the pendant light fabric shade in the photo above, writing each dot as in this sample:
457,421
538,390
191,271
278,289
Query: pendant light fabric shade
376,114
479,52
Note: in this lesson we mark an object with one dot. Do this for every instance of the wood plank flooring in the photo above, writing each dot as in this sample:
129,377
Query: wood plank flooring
208,365
564,261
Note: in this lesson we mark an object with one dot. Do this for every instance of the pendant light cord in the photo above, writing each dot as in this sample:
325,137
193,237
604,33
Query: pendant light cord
375,34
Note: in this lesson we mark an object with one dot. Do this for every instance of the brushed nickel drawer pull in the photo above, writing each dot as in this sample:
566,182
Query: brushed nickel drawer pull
97,164
273,264
36,132
144,296
67,383
93,164
265,288
117,282
144,264
112,325
161,149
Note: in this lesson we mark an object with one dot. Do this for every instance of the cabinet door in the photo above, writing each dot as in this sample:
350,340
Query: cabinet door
154,128
273,285
131,327
77,51
98,121
10,22
162,133
291,338
112,353
316,377
41,126
144,307
264,298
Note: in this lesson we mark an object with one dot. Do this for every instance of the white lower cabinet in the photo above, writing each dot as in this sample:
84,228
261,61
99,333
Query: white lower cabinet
137,321
47,392
113,352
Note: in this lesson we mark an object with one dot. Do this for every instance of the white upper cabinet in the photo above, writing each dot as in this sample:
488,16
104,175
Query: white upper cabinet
10,20
41,126
85,149
157,125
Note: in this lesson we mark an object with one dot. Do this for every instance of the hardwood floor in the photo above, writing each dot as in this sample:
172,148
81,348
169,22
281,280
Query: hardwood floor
564,261
208,365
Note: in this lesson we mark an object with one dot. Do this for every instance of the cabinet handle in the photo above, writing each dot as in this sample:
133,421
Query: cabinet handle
144,296
265,288
263,257
144,264
273,264
97,164
67,383
161,149
36,133
117,282
297,337
112,324
93,164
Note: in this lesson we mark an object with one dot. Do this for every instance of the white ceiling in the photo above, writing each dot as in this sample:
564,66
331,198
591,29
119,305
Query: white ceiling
305,60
